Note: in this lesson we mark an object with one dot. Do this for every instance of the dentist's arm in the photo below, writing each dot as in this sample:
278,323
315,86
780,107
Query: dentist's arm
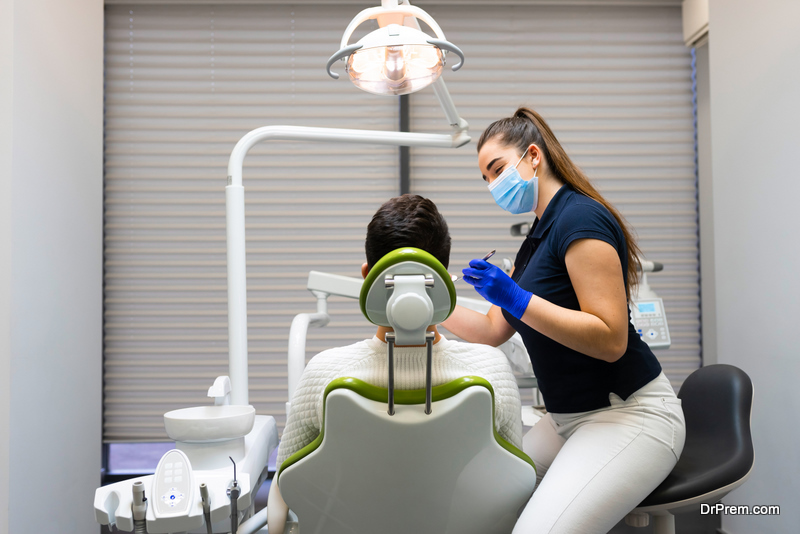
475,327
599,329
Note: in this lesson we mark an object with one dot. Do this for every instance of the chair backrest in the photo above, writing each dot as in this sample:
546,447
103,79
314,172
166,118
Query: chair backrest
717,402
446,472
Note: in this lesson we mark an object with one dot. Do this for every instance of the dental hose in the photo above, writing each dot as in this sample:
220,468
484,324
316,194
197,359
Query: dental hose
235,490
139,508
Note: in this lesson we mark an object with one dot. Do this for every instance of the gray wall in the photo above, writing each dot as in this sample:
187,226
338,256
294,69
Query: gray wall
754,56
6,40
51,173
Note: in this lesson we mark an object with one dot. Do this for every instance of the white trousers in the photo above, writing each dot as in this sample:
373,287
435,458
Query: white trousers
595,467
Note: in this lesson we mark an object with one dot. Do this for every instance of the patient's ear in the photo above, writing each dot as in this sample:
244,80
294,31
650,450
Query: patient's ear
364,270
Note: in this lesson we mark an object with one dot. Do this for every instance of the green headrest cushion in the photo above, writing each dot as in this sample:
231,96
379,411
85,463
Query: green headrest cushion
403,255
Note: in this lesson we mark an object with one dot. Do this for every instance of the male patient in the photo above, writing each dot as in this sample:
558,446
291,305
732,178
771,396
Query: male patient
405,221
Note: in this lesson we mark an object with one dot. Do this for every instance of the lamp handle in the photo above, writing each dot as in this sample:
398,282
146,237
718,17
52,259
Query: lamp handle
447,45
343,53
375,12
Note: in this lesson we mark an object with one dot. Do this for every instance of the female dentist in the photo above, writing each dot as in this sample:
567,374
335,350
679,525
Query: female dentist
614,428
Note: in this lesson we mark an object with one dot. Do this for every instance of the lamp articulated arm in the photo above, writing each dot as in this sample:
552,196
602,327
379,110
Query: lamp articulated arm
235,223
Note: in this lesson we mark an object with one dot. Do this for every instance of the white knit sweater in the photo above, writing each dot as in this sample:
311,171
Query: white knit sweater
367,361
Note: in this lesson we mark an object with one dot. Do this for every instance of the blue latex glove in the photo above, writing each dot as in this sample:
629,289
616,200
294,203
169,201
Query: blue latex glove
497,287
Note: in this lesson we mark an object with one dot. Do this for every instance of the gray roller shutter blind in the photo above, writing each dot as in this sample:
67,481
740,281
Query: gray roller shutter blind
183,84
614,83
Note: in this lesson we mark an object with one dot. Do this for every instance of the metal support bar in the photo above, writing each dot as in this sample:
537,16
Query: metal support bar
443,95
429,337
336,135
405,152
390,281
664,524
390,343
296,355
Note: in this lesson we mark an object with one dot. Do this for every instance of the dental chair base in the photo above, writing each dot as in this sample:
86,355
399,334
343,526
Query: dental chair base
173,509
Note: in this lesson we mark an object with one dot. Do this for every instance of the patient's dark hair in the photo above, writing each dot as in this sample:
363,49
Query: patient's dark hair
408,221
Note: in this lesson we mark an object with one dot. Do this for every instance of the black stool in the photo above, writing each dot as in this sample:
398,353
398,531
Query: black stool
718,454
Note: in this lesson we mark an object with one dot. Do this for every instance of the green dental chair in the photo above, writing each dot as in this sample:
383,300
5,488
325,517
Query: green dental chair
395,461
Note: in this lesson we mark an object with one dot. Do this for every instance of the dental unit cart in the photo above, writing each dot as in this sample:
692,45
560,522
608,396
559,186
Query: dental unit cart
647,311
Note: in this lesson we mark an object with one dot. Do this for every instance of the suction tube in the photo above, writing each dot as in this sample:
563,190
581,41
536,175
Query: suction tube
139,508
206,507
235,490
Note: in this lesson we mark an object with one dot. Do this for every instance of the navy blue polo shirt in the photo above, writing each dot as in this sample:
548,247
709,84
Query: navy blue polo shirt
571,381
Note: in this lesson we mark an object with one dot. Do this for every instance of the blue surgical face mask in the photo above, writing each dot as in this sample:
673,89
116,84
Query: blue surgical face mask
514,194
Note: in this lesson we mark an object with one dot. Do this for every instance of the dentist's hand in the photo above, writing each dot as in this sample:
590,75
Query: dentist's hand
497,287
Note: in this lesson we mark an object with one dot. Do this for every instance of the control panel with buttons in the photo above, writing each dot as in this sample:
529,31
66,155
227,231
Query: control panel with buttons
650,322
173,484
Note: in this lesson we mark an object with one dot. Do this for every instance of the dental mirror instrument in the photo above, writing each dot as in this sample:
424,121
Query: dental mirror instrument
454,277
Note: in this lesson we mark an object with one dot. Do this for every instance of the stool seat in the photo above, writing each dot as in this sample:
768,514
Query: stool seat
718,453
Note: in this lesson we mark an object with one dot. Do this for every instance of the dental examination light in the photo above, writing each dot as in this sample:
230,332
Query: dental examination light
398,58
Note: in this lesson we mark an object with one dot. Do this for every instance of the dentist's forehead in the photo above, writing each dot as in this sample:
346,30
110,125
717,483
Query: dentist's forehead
497,152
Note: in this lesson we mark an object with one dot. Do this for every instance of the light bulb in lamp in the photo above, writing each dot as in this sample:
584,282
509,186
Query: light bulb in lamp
395,59
390,65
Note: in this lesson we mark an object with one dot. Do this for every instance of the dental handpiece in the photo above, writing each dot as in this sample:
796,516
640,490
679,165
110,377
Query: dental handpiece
234,493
